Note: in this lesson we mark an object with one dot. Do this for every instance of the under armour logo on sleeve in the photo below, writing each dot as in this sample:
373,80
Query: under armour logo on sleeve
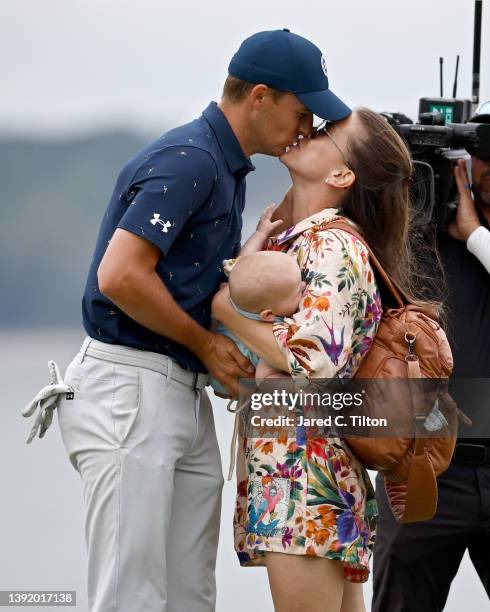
156,220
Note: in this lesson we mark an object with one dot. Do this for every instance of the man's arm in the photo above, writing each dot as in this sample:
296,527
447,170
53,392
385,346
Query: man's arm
478,243
466,226
128,278
466,220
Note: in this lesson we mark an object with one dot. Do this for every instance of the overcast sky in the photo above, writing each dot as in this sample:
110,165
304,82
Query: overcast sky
73,65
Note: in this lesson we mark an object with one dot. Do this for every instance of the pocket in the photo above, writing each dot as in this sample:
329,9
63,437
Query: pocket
93,377
71,376
106,399
126,401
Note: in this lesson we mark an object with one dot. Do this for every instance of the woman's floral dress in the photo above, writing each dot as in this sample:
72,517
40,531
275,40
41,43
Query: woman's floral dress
309,495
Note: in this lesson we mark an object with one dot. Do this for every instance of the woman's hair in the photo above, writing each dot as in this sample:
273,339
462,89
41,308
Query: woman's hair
379,202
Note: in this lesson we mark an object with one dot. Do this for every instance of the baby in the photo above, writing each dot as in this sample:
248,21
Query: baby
264,286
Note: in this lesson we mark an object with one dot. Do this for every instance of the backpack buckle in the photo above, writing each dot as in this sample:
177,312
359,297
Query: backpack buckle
410,340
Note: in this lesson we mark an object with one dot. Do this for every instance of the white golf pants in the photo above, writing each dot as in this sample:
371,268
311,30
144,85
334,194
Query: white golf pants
140,432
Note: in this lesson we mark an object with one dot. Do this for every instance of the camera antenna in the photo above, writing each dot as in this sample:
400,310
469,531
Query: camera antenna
455,86
441,62
477,52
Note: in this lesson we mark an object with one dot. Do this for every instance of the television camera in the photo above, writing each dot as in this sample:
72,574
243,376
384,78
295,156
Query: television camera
439,138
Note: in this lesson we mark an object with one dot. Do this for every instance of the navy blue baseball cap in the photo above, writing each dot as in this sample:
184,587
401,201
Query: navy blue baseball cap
288,62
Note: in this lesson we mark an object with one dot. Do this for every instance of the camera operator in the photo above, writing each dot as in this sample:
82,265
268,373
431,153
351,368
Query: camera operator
414,564
467,226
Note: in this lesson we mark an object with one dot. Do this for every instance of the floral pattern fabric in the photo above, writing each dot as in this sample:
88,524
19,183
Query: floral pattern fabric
303,493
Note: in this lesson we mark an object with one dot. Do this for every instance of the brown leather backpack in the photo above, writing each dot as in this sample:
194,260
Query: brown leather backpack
409,344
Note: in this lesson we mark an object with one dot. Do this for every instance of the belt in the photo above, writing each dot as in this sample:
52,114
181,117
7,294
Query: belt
46,400
143,359
471,454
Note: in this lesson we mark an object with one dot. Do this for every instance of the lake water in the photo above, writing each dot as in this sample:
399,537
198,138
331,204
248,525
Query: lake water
42,538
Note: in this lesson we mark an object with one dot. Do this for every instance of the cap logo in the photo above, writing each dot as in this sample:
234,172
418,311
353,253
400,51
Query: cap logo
324,66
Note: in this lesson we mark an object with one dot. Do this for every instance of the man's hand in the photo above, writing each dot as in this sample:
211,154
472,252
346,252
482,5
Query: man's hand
225,362
231,352
257,335
466,221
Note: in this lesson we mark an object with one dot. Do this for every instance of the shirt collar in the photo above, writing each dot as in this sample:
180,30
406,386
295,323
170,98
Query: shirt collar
228,142
316,219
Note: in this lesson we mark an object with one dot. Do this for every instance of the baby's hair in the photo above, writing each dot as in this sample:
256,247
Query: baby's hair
259,280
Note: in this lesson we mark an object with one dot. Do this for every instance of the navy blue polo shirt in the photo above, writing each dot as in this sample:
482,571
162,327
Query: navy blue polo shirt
184,193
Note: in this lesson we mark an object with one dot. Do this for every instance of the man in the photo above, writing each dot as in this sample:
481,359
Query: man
138,424
415,564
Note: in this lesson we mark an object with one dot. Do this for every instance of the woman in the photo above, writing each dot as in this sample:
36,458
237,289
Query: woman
305,506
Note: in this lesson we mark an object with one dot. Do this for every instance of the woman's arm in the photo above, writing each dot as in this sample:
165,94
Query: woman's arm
257,335
339,311
338,316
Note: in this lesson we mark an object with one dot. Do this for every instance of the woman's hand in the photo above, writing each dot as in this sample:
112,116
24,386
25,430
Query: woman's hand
266,226
466,221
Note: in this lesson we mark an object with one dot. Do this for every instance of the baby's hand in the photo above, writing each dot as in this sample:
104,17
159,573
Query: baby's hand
265,225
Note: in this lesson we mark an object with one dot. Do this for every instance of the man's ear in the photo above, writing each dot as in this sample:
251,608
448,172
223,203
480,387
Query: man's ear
257,95
268,316
341,179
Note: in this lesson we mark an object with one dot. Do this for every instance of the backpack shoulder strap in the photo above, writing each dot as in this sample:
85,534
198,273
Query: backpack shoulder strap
338,223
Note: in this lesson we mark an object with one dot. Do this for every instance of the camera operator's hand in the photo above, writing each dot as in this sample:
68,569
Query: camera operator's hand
466,221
